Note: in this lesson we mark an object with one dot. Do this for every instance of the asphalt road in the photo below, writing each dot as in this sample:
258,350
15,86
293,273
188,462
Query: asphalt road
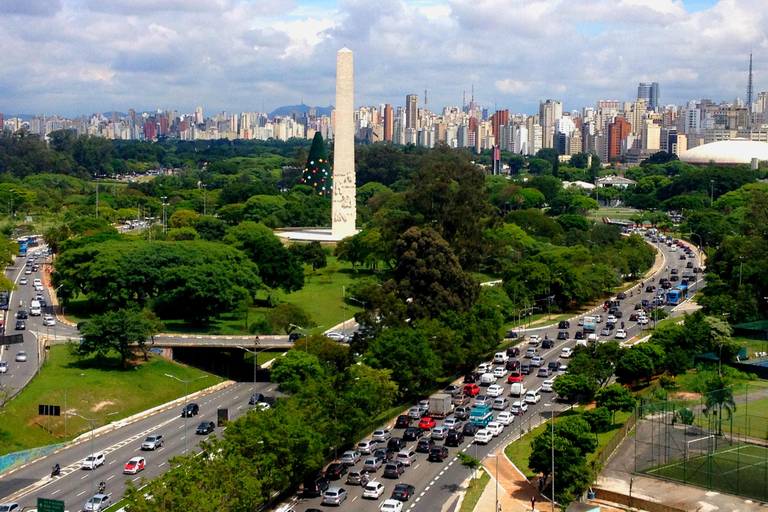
75,485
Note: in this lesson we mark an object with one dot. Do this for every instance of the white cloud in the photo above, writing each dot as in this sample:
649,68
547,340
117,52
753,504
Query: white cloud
510,86
304,35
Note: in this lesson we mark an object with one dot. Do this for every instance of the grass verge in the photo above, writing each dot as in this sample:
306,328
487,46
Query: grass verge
94,387
474,491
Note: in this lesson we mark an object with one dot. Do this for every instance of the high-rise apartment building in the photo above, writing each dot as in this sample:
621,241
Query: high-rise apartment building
649,93
651,135
499,118
389,120
549,112
412,111
617,133
199,115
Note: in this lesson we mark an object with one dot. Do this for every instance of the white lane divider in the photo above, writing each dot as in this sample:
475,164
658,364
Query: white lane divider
111,462
110,478
54,492
84,477
161,464
135,478
81,493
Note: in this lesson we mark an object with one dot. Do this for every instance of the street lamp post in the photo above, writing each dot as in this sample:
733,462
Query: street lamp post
205,199
92,422
712,197
498,505
164,205
186,385
65,403
254,352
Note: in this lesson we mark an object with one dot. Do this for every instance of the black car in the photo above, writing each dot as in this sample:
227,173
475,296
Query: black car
412,434
385,454
674,271
610,325
618,313
682,257
22,314
43,303
438,454
526,369
316,486
638,307
696,270
548,343
81,326
425,445
513,352
403,492
470,429
674,278
554,365
454,438
579,335
650,288
511,334
190,410
403,421
395,444
512,365
471,378
296,336
20,325
335,471
633,317
689,264
255,398
393,470
205,427
621,296
563,335
564,324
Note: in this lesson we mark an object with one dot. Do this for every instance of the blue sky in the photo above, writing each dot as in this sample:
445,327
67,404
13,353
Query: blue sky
81,56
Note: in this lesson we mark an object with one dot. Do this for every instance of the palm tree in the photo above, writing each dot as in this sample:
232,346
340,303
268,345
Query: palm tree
719,398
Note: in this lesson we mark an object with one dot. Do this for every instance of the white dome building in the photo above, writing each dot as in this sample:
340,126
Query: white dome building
726,152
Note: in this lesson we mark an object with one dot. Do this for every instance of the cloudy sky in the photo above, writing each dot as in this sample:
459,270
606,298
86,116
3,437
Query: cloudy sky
81,56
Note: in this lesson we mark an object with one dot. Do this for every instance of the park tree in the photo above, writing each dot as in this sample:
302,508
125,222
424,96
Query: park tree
599,419
634,366
286,316
295,368
210,228
311,253
429,277
575,387
615,398
182,219
118,331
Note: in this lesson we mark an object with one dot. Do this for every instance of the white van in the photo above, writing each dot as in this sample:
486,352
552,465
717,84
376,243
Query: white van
487,379
547,385
500,357
35,309
517,389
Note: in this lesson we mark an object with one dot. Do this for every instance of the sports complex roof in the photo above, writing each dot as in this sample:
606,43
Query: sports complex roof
726,152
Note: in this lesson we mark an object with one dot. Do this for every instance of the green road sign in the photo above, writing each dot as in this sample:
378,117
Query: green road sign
44,505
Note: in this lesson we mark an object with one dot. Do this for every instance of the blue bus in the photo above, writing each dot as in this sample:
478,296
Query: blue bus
677,295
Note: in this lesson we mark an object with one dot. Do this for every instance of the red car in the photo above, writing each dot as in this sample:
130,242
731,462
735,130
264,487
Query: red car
471,389
515,377
427,423
134,465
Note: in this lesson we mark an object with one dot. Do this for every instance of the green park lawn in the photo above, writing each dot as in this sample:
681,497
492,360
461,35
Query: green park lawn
474,492
95,387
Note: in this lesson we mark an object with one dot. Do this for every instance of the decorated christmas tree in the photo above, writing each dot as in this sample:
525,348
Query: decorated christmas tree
317,172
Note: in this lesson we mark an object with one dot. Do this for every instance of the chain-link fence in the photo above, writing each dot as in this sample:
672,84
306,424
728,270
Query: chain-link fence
718,441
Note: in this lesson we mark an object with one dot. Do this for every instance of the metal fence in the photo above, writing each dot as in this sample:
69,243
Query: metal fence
616,440
718,441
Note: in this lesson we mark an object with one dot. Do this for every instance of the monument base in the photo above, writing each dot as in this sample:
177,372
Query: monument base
311,235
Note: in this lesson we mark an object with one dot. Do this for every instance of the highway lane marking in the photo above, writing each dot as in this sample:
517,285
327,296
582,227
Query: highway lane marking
135,478
162,463
238,396
81,493
353,499
450,463
427,487
419,498
159,449
84,477
181,427
54,492
110,478
184,437
441,473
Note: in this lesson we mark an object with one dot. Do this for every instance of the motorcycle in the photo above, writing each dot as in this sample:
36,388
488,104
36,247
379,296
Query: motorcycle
102,487
55,471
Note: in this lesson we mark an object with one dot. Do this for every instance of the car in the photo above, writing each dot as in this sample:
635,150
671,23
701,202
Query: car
511,334
462,412
579,335
548,343
495,427
336,336
21,356
358,477
505,418
439,433
696,270
484,368
416,412
537,361
471,389
530,353
93,461
513,351
643,320
544,372
48,321
452,390
483,436
403,421
470,429
674,279
621,296
547,385
11,506
526,369
438,454
334,496
532,397
296,336
367,446
650,288
316,485
335,471
495,390
413,434
190,410
350,457
427,423
35,268
534,340
515,376
373,490
394,469
612,318
682,257
553,365
396,444
206,427
3,366
372,464
425,444
22,314
134,465
384,454
605,331
28,270
471,377
454,438
581,321
518,407
403,492
500,372
610,325
563,370
566,352
564,324
691,254
452,423
391,506
39,288
381,435
153,442
97,503
621,334
406,457
481,400
513,365
563,335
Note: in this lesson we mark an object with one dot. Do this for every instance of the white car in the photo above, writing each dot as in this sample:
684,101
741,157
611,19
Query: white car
495,427
381,435
643,320
532,397
37,282
505,418
484,368
621,334
93,461
373,490
494,390
547,385
499,372
23,280
391,505
49,321
566,352
483,436
3,367
39,288
336,336
535,339
611,318
562,370
518,407
21,356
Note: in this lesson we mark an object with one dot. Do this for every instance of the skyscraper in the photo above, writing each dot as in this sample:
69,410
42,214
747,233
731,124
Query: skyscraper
549,112
412,111
389,119
617,132
649,93
498,119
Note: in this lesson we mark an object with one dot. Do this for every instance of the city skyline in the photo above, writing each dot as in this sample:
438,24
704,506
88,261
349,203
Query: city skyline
75,57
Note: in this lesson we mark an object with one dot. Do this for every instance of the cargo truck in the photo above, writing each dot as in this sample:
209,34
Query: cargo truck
589,324
481,415
440,405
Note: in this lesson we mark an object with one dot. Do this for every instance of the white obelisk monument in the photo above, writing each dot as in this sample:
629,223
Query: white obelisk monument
344,209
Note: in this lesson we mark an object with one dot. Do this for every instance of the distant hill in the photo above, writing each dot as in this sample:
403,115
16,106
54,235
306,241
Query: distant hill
301,109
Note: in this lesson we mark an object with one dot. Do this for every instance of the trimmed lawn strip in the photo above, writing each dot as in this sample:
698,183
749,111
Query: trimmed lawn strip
474,492
104,387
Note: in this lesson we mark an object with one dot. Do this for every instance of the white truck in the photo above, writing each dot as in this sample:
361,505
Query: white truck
440,405
517,389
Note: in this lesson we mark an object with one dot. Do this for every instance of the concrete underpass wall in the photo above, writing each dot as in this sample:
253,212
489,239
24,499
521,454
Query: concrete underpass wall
229,363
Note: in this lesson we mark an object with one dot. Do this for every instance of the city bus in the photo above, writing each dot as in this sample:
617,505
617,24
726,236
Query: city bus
677,295
22,246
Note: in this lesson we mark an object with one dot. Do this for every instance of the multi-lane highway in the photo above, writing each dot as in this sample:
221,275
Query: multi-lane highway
435,482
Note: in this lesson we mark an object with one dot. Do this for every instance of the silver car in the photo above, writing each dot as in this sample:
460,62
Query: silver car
350,458
453,423
334,496
439,432
21,356
381,435
372,464
98,503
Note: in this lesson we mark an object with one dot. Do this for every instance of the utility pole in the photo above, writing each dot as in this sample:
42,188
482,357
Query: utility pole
92,421
164,205
186,384
97,198
205,199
